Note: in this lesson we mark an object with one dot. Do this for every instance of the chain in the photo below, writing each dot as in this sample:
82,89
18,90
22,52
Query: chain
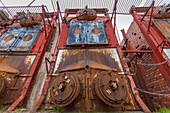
158,94
149,64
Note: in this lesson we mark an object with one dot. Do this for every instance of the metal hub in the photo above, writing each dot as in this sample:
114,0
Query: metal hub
110,88
65,89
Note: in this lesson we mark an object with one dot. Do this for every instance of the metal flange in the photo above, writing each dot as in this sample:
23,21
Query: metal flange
110,88
65,89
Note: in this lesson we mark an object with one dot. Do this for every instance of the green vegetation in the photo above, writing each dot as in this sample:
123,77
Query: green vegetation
163,110
3,108
17,109
42,108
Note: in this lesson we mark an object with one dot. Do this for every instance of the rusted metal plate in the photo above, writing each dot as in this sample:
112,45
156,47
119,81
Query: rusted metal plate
167,52
104,59
164,26
86,32
14,73
22,63
19,38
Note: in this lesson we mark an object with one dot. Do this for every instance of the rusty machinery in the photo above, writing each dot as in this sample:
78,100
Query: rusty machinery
105,88
86,72
21,51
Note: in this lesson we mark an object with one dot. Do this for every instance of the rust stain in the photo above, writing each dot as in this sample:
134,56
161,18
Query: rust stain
6,68
29,61
27,37
105,59
96,30
8,38
14,70
21,48
77,31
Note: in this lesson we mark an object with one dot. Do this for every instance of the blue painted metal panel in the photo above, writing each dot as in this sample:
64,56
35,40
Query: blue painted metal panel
5,45
86,33
17,44
21,45
80,38
100,36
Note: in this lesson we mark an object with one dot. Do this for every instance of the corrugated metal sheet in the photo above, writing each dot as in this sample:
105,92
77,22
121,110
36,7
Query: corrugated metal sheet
83,32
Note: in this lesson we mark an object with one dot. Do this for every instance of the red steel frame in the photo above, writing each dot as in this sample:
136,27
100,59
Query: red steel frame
151,34
37,49
131,53
110,31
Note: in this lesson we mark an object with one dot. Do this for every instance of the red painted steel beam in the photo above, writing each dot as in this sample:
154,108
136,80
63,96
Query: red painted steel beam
43,11
139,9
58,10
114,9
137,51
131,54
156,55
150,19
74,11
146,13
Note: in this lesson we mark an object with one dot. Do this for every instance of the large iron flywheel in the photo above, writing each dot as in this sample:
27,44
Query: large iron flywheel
110,88
65,89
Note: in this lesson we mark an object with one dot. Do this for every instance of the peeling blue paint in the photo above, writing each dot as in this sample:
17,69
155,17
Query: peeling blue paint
86,36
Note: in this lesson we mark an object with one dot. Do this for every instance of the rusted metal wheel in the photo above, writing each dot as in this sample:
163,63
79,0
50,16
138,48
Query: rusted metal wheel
110,88
65,89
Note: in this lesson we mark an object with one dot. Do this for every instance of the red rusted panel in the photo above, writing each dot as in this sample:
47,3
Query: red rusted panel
14,74
152,76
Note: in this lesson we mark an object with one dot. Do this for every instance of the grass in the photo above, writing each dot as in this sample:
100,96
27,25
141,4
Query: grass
3,108
43,108
163,110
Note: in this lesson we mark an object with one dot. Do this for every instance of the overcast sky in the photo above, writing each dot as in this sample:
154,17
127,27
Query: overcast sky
123,21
